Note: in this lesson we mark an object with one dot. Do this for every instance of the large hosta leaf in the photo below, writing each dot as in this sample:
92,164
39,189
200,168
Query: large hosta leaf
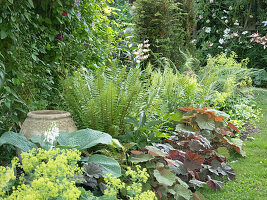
164,176
83,139
110,165
18,140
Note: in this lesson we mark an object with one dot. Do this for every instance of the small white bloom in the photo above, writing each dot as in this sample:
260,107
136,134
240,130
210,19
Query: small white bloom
220,47
236,23
146,50
226,31
146,56
230,8
226,21
51,133
146,41
208,29
244,32
213,15
221,41
208,21
146,45
140,46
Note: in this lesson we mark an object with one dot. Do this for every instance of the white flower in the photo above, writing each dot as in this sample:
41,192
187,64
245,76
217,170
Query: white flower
211,1
146,50
146,41
213,15
51,134
200,16
146,45
244,32
226,31
220,47
226,21
208,29
221,41
230,8
193,41
236,23
140,46
208,21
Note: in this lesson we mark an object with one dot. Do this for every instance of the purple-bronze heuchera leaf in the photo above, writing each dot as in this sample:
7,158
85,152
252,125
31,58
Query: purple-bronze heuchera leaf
214,184
193,160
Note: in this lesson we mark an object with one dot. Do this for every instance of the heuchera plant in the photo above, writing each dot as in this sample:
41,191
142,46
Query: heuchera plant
192,156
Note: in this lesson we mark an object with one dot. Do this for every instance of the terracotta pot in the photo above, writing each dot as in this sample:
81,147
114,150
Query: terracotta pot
37,122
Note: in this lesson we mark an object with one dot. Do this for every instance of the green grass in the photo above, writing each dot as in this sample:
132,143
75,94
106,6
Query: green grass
251,172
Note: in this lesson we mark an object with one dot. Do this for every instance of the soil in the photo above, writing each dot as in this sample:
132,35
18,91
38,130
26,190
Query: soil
250,130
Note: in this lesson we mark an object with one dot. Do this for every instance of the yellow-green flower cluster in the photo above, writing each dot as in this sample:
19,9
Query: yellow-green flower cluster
50,175
6,176
134,189
113,185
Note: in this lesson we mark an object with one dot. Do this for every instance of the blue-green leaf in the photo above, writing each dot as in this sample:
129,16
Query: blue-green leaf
16,139
83,139
110,165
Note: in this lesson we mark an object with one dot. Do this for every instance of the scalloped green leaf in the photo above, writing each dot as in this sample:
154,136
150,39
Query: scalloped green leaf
182,191
204,122
141,158
164,176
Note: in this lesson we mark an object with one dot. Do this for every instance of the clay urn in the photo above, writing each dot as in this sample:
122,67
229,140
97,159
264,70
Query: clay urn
37,122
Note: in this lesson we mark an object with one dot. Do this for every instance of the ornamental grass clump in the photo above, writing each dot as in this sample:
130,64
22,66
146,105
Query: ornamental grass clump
47,175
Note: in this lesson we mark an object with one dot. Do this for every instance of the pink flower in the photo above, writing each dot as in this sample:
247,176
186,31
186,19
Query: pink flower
59,37
255,35
211,44
211,1
200,16
85,44
64,14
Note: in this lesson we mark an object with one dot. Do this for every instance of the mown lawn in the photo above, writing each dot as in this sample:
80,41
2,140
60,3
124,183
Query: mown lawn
251,172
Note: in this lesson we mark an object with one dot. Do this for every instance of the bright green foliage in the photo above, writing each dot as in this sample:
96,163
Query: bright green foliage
220,77
50,179
162,23
102,99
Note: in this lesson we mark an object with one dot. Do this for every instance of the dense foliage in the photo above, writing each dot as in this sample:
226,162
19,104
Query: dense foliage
239,26
42,41
175,95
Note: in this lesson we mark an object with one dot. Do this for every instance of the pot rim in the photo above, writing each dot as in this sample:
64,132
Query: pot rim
48,114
